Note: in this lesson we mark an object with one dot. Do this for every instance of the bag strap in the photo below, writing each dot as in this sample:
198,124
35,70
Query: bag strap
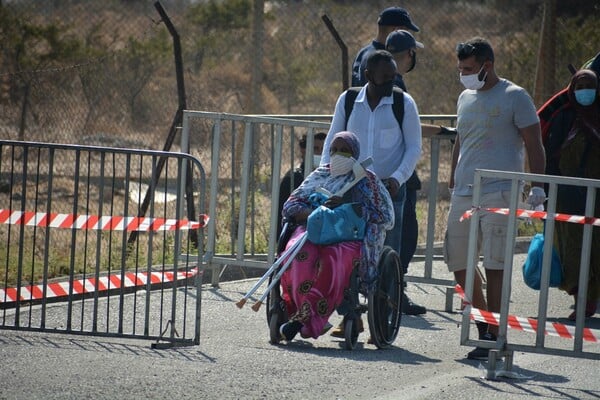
397,105
349,100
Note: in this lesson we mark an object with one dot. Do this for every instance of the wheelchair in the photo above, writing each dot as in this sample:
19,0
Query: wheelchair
382,304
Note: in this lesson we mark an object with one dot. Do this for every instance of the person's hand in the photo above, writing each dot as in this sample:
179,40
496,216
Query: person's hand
392,186
536,198
333,202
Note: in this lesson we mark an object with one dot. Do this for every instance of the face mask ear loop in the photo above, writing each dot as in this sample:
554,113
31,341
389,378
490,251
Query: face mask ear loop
482,75
414,60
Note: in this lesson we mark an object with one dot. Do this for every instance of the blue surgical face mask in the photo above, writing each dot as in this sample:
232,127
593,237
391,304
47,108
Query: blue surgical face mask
585,97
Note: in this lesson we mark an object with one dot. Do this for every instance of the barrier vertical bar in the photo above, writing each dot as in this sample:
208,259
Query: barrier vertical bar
515,192
545,279
244,185
51,154
472,257
73,239
21,234
432,210
277,149
99,242
214,184
584,270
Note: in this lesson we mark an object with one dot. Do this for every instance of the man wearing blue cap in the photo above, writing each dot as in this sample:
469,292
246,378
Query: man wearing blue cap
403,47
390,19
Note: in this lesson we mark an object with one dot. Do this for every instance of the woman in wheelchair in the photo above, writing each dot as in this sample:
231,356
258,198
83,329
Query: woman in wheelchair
313,286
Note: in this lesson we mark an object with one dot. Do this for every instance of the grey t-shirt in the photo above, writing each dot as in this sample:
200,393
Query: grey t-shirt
488,126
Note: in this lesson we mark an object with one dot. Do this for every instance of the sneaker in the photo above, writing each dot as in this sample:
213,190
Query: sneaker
289,330
481,353
410,308
590,310
338,332
478,353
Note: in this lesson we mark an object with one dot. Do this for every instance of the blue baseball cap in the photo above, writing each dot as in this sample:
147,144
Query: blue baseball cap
396,16
401,40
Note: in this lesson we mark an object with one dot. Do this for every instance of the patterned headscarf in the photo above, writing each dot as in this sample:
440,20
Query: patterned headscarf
352,141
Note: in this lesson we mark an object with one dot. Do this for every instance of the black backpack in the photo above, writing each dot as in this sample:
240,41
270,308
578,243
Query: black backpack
397,106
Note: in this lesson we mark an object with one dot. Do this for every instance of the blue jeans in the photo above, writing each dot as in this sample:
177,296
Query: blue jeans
393,237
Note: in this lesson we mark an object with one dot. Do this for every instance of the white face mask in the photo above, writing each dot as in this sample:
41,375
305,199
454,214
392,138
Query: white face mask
340,164
472,81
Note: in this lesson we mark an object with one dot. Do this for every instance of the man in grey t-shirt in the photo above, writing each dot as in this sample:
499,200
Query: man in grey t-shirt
496,124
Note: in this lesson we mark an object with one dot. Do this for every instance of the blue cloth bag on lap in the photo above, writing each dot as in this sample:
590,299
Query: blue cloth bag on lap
532,268
341,224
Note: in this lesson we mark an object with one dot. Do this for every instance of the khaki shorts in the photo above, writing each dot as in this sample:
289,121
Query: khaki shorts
491,240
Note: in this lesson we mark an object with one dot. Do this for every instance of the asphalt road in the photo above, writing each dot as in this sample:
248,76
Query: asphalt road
235,360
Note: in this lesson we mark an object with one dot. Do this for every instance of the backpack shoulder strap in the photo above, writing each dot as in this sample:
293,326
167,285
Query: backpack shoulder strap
351,94
398,105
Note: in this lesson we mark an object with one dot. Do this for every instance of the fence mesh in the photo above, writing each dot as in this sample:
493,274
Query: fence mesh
103,72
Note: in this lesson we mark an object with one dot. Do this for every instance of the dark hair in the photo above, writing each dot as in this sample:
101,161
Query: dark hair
318,136
478,47
377,57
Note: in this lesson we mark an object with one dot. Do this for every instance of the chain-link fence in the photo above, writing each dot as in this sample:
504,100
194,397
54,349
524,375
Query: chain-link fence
103,72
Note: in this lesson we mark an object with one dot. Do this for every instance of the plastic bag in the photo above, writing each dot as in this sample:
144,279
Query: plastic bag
341,224
532,268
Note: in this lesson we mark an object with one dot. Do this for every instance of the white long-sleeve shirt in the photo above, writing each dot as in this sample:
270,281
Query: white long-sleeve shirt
395,151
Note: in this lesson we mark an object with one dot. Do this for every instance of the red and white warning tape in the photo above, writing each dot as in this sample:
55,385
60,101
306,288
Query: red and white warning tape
91,285
521,213
526,324
95,222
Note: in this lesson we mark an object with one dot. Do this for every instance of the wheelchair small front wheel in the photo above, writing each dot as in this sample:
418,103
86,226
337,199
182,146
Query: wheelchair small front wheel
275,336
350,333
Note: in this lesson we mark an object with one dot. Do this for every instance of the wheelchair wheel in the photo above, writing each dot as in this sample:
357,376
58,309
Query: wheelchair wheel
350,332
384,302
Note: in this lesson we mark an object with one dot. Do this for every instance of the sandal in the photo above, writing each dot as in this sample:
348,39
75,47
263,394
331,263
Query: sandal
339,330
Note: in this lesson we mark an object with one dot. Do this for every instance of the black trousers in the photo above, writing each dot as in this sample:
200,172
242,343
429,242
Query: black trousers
410,228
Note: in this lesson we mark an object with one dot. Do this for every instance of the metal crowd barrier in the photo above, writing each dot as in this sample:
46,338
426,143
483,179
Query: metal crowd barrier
246,157
503,347
80,255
